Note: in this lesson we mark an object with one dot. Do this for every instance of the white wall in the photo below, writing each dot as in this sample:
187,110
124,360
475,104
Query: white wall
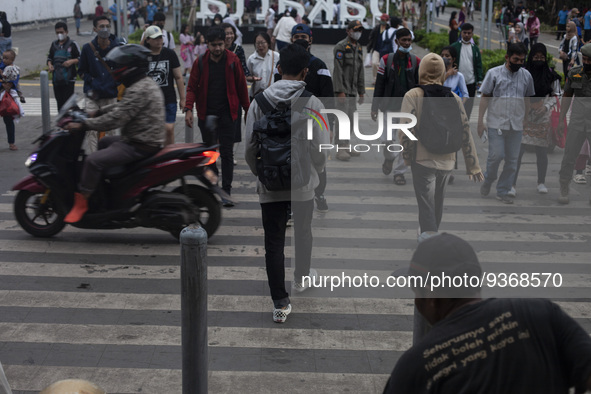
19,11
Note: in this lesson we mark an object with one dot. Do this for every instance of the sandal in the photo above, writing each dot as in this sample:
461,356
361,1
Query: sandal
399,180
12,147
580,179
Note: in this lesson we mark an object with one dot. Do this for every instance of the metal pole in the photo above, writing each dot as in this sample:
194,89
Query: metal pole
119,21
194,309
125,21
490,17
482,27
420,327
428,17
44,76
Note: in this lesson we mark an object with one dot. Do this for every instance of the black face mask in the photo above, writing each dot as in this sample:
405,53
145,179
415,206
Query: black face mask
303,43
587,67
160,26
538,63
515,66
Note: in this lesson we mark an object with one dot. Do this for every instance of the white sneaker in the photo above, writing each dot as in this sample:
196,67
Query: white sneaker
512,192
280,314
426,235
588,170
300,287
542,189
580,179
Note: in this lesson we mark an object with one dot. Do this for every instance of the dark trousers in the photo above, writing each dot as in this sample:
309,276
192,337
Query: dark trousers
574,142
560,32
62,93
224,135
112,152
470,102
274,223
429,185
9,122
541,162
322,185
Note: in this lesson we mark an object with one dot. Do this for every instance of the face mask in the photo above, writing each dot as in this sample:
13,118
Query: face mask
61,37
160,26
539,63
447,62
304,43
405,50
587,67
356,36
515,67
466,42
103,33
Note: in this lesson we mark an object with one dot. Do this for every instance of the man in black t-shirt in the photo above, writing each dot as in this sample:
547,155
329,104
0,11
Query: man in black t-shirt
492,346
165,70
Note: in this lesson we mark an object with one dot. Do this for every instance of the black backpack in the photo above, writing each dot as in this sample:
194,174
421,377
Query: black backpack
283,160
386,47
440,127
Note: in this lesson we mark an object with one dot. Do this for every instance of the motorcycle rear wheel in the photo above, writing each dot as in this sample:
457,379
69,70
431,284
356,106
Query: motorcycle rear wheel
37,218
210,211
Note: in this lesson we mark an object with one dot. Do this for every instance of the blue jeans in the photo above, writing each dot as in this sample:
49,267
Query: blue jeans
502,147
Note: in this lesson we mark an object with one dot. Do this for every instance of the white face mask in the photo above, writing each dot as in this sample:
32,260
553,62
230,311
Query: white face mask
61,37
356,36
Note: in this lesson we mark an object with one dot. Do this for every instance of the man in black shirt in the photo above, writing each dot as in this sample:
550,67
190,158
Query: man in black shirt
486,346
165,70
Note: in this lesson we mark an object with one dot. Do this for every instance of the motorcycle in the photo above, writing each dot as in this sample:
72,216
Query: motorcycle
142,194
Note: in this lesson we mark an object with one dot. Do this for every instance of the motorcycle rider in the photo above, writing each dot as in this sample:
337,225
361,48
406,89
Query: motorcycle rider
139,114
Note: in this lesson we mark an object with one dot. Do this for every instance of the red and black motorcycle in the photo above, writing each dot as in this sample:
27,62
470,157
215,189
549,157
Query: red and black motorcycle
154,192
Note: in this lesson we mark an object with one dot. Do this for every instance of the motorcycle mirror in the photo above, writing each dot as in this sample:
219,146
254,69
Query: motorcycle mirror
211,123
69,104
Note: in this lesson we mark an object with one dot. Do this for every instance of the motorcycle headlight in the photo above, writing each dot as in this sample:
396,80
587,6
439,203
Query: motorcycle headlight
31,159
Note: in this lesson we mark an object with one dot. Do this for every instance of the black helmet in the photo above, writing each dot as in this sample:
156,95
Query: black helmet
131,62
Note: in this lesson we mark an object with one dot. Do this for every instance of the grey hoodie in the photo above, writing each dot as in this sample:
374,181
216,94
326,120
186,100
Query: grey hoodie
283,90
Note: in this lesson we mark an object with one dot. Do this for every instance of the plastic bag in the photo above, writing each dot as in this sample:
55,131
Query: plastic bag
367,60
558,128
8,107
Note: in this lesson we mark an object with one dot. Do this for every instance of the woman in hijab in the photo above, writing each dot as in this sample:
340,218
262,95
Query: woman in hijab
217,20
533,28
453,28
518,35
569,48
536,132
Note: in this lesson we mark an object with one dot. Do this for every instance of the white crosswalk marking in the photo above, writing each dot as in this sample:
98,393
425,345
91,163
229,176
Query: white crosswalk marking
105,305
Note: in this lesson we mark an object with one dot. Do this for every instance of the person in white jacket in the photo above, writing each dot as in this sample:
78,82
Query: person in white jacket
275,204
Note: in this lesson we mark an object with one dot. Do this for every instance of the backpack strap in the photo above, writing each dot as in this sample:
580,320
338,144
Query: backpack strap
263,103
389,81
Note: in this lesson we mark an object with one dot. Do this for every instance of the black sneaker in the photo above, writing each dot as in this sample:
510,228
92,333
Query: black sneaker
387,166
227,203
504,199
485,189
321,205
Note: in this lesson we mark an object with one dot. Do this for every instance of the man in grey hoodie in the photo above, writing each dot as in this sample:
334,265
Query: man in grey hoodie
274,204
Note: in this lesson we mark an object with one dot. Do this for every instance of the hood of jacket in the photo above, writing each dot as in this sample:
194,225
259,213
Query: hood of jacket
283,90
431,70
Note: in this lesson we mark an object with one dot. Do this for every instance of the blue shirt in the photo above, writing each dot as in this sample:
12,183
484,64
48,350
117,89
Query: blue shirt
562,15
151,10
113,9
588,20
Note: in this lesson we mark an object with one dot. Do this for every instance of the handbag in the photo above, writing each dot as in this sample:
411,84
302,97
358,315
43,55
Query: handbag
558,128
8,107
367,60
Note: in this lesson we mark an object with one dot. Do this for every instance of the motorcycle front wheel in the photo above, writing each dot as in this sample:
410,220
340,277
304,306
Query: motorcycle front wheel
210,211
36,214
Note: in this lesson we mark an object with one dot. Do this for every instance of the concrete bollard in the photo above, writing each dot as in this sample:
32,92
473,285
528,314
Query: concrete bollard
45,115
194,309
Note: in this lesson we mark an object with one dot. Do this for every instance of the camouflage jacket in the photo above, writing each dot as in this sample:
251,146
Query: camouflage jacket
139,114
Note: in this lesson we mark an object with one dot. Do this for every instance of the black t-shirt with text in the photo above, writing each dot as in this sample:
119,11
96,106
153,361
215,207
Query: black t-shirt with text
161,67
498,346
